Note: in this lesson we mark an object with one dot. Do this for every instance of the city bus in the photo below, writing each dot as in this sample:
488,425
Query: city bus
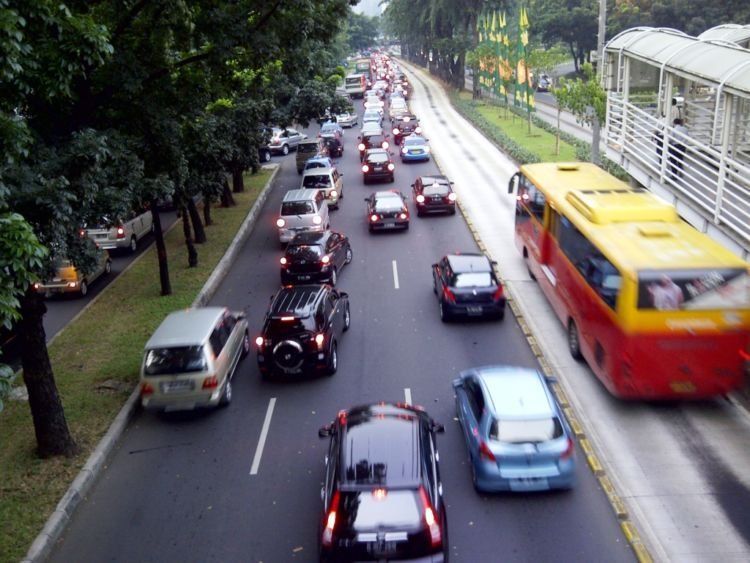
355,85
657,309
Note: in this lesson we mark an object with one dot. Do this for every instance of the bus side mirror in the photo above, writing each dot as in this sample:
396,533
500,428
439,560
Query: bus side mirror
512,183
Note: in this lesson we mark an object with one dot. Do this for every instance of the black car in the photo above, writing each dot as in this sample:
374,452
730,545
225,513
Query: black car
372,141
301,330
387,210
334,143
433,194
377,165
312,256
404,126
382,494
466,284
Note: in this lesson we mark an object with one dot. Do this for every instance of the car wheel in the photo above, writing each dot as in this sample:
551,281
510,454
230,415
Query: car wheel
285,150
333,359
133,244
406,227
574,341
265,156
334,277
246,345
226,396
108,267
349,256
364,180
501,315
347,318
444,315
84,288
474,475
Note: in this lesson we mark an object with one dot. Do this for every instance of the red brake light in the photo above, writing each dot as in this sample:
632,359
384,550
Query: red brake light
452,196
259,342
146,389
320,339
403,216
280,223
498,293
569,450
283,260
436,534
391,166
361,146
396,131
365,168
210,382
373,217
327,538
120,232
420,198
326,259
287,318
385,144
448,295
485,453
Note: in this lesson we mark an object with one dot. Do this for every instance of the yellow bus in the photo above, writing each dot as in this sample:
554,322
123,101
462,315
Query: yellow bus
657,309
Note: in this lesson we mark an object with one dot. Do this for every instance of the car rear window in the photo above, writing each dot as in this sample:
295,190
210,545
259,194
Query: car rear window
377,157
304,251
388,203
436,189
413,142
306,148
180,359
473,279
316,181
380,508
297,208
524,431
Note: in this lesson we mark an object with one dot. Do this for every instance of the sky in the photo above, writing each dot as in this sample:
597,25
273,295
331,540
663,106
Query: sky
369,7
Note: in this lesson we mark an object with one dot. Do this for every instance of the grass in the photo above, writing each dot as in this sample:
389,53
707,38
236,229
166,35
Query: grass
105,343
538,142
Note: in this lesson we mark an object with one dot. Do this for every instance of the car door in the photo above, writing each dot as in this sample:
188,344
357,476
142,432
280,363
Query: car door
472,414
440,276
221,361
334,313
333,247
338,182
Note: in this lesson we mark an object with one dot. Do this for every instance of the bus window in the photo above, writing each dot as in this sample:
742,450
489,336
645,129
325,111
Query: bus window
532,197
572,242
714,289
603,278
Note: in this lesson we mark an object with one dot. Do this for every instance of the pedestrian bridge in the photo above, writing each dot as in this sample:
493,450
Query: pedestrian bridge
653,76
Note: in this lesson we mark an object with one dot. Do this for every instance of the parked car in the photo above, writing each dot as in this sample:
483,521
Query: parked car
347,119
382,493
377,165
69,279
112,234
466,285
328,180
414,148
191,358
285,140
302,210
433,194
387,210
315,257
301,330
309,148
514,429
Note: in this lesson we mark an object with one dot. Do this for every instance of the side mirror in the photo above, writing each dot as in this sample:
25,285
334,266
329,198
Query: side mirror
493,262
412,185
438,428
435,265
458,382
325,431
512,183
367,199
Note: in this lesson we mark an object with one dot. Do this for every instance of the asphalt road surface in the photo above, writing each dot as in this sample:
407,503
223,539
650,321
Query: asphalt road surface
243,483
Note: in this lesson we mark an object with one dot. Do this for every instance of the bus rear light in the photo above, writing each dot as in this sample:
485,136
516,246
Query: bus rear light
327,537
210,382
280,223
436,534
146,389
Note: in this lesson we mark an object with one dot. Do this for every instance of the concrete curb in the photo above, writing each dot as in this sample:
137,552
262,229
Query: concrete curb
57,522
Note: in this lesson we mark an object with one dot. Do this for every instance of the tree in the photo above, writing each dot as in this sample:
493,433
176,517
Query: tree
362,31
572,22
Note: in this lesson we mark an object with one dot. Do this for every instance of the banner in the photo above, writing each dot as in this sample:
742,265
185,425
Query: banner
524,94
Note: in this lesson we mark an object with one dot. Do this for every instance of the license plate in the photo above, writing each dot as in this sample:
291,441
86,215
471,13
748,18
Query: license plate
377,168
682,386
303,277
528,484
475,310
177,386
57,280
389,225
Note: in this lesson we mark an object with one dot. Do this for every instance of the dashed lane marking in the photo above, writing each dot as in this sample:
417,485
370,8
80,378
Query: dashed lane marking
263,436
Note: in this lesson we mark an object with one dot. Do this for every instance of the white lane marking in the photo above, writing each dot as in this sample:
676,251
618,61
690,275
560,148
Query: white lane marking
263,436
395,275
407,395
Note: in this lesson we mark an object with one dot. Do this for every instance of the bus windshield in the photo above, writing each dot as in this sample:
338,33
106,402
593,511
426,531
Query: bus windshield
700,289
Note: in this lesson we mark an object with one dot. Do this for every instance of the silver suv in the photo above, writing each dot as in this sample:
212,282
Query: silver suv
326,179
302,210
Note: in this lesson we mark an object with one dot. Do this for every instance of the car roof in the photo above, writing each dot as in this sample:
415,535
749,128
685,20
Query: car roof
469,262
381,446
189,327
516,392
302,194
415,139
298,300
387,194
310,237
376,151
319,171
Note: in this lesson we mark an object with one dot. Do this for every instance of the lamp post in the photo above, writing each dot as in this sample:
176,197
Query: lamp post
596,126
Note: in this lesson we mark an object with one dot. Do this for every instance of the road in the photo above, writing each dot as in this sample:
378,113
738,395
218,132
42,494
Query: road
180,486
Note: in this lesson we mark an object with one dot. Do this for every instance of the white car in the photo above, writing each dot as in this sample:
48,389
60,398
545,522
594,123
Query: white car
347,119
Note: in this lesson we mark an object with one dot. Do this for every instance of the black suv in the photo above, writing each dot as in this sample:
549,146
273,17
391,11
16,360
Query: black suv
404,126
301,330
371,141
382,495
312,256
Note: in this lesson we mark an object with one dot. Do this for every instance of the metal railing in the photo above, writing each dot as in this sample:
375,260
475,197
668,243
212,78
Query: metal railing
688,167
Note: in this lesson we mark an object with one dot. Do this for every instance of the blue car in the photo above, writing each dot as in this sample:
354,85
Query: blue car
517,437
414,148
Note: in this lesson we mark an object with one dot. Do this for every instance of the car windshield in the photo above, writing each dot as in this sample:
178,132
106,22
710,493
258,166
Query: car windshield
180,359
329,128
305,148
296,208
524,431
414,141
473,279
304,251
377,157
380,509
436,189
388,203
317,164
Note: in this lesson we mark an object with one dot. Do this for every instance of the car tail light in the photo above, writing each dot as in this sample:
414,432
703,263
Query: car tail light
391,166
280,223
283,260
498,293
396,131
420,198
452,196
327,537
373,217
365,169
334,193
82,233
120,232
259,342
210,382
317,219
385,144
36,285
326,259
418,130
404,150
361,146
320,339
484,452
146,389
569,450
403,216
436,534
448,295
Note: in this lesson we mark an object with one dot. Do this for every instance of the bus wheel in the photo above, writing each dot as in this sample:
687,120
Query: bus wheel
574,341
528,266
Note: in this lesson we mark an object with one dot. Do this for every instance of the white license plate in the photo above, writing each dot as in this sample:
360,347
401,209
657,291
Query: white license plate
477,310
176,386
528,484
389,225
303,277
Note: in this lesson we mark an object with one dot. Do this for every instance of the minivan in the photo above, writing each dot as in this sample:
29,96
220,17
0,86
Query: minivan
327,180
302,210
111,234
190,360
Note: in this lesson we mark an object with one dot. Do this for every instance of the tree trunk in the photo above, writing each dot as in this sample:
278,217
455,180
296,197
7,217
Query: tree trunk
195,218
161,252
50,427
575,56
192,254
227,200
238,182
595,140
207,210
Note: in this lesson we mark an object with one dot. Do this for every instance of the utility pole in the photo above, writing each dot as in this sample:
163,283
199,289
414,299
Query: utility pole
596,132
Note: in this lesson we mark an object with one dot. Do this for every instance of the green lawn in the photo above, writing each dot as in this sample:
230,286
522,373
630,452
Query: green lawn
103,344
539,141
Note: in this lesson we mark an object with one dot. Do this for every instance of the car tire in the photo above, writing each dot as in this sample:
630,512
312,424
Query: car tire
364,180
83,288
285,150
444,314
347,318
574,340
265,156
501,315
133,244
246,345
334,277
226,395
406,227
474,482
349,256
333,360
108,267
